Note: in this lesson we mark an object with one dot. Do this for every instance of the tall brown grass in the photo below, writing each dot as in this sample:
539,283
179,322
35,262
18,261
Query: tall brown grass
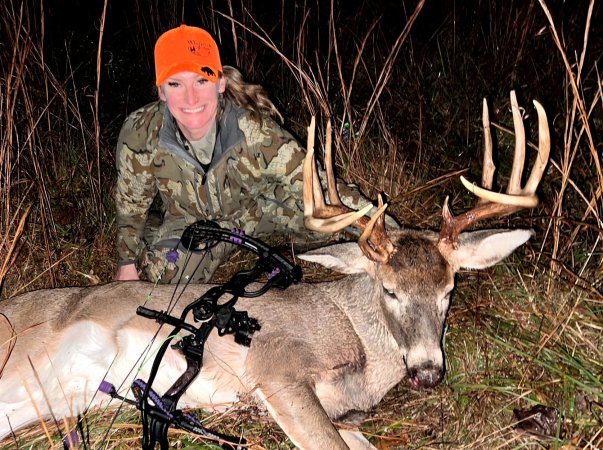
402,83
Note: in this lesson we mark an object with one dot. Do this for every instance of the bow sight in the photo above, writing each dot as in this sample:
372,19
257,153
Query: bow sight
160,412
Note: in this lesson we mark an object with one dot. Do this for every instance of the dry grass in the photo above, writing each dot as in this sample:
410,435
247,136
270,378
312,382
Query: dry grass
408,80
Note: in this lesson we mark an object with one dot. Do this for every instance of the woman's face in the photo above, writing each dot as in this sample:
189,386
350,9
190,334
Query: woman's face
193,101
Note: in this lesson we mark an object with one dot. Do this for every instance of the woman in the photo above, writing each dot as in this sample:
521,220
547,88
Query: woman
211,149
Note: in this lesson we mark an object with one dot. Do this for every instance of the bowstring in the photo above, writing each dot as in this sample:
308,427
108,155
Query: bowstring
146,352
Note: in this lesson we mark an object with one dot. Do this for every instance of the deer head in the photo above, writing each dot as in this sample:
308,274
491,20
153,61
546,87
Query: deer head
416,268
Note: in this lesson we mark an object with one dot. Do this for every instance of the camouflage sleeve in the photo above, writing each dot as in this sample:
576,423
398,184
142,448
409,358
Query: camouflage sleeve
135,188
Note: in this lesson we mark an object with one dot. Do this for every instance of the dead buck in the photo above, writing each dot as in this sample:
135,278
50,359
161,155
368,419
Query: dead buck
323,350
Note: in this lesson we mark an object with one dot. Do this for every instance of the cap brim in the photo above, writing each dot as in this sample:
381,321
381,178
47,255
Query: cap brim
207,72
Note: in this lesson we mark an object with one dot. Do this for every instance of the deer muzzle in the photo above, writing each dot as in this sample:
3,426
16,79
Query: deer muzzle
427,375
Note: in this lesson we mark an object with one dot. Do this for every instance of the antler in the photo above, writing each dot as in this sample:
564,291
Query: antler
492,204
319,216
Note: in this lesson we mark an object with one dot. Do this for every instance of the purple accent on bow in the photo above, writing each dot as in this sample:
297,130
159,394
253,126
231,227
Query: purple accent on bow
71,440
172,256
106,388
153,396
235,240
274,273
193,419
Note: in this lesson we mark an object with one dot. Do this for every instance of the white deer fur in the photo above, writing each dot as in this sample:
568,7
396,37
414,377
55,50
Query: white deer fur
323,350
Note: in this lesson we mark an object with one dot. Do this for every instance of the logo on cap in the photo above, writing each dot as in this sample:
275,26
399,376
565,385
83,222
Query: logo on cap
207,71
198,48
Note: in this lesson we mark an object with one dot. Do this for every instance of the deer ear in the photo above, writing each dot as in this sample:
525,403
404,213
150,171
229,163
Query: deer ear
344,258
484,248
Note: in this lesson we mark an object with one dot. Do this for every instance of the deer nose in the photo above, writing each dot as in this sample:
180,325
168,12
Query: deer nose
427,375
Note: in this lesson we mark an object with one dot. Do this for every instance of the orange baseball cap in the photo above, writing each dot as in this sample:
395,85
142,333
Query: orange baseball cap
186,49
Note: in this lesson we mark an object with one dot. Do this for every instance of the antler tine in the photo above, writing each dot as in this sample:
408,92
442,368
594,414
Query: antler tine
488,166
514,186
319,216
544,149
493,204
331,185
375,231
308,175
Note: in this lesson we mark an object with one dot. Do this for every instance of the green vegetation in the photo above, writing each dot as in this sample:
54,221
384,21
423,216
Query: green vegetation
409,78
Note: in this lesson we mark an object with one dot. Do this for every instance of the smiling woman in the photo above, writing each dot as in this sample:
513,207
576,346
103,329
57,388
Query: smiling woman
193,102
211,149
188,78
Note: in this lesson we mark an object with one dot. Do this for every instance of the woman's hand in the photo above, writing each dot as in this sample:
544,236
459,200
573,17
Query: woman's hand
127,272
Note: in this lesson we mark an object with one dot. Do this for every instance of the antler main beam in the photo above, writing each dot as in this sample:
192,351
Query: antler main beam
494,204
329,218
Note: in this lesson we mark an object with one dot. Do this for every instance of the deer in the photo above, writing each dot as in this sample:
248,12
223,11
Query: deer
324,349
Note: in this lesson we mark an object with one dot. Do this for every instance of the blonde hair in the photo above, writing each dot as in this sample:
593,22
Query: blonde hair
251,97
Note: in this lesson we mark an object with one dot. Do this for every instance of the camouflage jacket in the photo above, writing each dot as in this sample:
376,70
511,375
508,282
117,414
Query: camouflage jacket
254,181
